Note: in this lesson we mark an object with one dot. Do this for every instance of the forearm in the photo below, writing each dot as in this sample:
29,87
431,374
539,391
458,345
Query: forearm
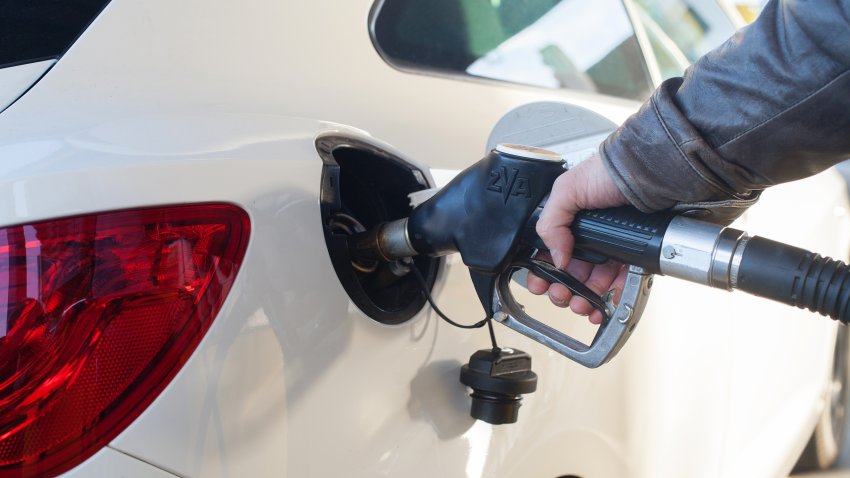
770,105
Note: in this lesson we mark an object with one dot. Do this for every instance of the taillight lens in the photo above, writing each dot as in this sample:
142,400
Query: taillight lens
97,314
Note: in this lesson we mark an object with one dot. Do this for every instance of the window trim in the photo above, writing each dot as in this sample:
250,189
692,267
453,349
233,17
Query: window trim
649,59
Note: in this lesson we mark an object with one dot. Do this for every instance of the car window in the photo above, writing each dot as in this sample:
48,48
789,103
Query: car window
692,27
669,57
37,30
575,44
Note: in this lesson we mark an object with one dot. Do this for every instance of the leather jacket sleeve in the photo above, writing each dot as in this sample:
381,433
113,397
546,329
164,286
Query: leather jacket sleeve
770,105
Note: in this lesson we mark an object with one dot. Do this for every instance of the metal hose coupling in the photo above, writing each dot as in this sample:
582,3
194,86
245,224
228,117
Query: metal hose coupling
702,252
386,242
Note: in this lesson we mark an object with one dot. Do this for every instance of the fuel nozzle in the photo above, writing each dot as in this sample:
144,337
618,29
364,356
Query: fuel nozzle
386,242
498,377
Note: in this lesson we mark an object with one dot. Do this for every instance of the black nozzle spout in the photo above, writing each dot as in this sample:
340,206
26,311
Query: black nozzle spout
498,379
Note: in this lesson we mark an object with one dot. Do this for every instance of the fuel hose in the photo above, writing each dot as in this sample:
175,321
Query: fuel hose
795,277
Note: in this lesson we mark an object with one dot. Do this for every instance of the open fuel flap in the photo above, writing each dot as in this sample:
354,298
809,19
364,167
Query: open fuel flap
364,185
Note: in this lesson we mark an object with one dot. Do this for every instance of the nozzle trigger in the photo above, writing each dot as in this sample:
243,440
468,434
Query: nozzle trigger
617,324
547,271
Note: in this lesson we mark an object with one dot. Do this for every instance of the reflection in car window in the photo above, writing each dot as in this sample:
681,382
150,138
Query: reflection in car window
670,59
577,44
683,29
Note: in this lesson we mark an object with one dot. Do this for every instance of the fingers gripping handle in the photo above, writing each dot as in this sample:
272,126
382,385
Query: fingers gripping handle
547,271
614,331
622,233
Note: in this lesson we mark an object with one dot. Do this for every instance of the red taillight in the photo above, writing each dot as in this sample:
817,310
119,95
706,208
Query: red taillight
97,314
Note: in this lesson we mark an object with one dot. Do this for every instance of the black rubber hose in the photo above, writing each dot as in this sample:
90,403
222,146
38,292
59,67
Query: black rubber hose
795,277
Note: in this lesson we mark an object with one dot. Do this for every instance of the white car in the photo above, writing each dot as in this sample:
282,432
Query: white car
169,304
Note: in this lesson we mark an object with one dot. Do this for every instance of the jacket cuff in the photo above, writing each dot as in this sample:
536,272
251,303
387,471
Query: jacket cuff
658,159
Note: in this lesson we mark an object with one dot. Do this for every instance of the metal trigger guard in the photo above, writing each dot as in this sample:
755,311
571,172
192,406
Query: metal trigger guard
616,327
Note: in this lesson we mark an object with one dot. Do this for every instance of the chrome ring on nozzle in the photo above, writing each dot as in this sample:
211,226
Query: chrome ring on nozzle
385,243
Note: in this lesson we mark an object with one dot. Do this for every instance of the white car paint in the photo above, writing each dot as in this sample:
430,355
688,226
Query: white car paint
220,101
110,462
15,80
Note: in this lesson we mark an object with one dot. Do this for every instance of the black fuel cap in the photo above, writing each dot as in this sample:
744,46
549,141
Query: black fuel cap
498,379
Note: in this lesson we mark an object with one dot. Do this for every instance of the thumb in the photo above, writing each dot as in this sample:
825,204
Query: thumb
587,186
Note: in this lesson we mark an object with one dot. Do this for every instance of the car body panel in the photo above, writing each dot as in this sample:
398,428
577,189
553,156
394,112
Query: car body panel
149,60
110,462
215,101
16,80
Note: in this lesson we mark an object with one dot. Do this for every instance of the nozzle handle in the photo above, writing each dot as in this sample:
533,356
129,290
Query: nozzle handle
624,234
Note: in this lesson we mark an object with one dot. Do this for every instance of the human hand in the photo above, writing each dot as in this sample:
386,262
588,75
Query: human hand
586,186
